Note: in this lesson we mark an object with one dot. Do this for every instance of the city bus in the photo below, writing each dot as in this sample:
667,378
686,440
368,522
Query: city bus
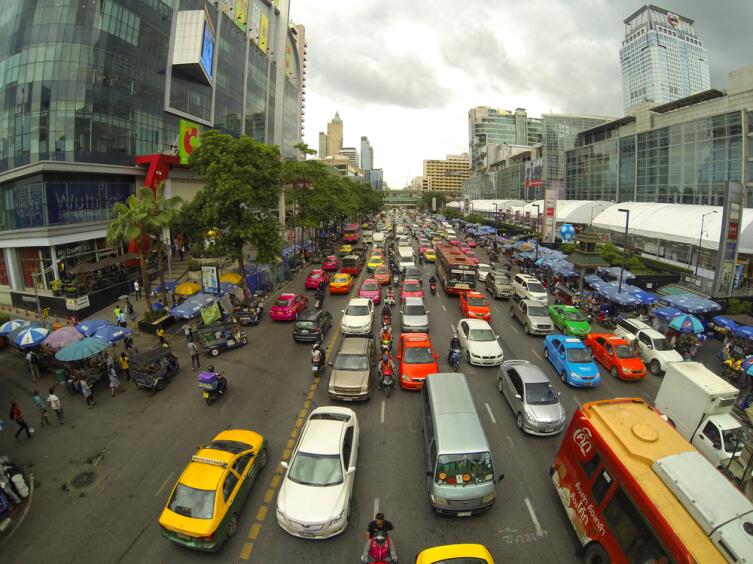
636,491
455,271
352,233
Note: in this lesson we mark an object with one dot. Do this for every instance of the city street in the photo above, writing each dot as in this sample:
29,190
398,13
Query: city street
137,443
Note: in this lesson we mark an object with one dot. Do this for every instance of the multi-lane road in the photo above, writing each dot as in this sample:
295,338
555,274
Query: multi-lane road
150,439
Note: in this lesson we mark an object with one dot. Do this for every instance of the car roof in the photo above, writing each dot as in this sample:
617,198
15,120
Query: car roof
410,280
531,302
413,300
207,465
476,323
321,436
372,280
354,345
341,275
359,301
308,314
570,342
527,277
474,294
286,296
530,373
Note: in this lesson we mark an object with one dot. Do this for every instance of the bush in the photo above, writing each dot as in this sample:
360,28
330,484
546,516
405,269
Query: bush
738,307
194,265
567,248
4,317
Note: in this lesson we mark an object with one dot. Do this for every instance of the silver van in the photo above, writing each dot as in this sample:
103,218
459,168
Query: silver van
459,468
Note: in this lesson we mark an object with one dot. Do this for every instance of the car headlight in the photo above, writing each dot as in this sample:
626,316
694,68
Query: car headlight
439,500
575,375
488,498
337,517
404,378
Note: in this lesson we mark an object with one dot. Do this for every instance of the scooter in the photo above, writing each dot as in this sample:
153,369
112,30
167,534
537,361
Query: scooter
316,368
389,299
386,344
318,301
214,385
433,288
387,383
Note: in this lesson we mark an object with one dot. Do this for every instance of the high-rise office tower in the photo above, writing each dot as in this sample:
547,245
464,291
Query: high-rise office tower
662,58
489,126
351,153
334,136
446,175
323,145
367,154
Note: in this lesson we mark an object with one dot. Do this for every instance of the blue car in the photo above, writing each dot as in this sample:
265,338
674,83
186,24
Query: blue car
572,360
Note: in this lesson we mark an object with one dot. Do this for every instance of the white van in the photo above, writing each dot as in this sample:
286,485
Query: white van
406,257
529,288
378,238
368,237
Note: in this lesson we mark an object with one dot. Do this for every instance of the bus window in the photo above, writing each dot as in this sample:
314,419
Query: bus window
601,486
631,532
589,467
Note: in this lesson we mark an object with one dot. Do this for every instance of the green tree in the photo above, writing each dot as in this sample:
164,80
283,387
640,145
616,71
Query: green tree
163,213
426,198
242,185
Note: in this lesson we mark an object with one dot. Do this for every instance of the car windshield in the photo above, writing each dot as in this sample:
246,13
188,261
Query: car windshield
316,469
574,316
233,447
535,288
484,268
661,344
351,362
381,270
370,287
340,279
464,469
477,302
414,310
411,288
315,275
283,303
481,335
304,324
357,310
624,351
193,503
418,355
579,355
537,311
540,393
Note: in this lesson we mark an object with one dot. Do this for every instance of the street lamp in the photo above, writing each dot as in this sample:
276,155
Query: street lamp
624,246
700,238
538,214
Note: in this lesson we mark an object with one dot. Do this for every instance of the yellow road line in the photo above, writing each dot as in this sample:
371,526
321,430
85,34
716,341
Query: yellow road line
293,433
286,454
299,422
248,548
269,496
262,513
302,413
275,481
306,404
255,528
291,442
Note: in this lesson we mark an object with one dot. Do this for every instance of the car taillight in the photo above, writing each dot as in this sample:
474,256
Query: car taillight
205,537
316,330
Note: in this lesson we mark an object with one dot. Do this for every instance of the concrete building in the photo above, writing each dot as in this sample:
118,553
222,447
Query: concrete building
446,175
335,136
323,151
662,58
344,165
489,126
352,155
367,154
86,87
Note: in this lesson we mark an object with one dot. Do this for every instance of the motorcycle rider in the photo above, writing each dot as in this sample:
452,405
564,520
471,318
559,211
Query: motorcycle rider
378,524
389,298
385,367
386,314
455,348
319,295
379,548
385,335
317,356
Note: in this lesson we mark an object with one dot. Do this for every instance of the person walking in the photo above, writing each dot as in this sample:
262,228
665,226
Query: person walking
33,360
122,319
124,370
194,352
54,402
87,392
117,311
18,417
130,311
130,347
188,332
137,289
39,402
115,383
161,335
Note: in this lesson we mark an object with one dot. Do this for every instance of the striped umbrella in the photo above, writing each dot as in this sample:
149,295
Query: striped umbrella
31,337
62,337
12,325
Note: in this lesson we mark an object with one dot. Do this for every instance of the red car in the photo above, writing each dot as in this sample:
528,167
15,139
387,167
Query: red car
416,360
471,243
314,278
288,306
471,255
465,248
411,288
330,264
382,275
474,306
616,355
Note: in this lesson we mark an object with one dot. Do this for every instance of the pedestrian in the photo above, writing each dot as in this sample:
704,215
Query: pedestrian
122,320
130,347
54,402
181,251
87,392
194,352
115,382
137,289
124,370
33,360
117,311
39,402
130,311
17,416
161,335
188,332
109,361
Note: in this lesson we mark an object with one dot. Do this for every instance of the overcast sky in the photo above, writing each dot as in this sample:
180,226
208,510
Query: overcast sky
405,73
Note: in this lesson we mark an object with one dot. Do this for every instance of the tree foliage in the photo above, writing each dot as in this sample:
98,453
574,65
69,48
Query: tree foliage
426,198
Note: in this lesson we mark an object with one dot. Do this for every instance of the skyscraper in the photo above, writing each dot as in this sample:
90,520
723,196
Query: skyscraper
351,153
367,154
662,58
323,144
334,136
489,126
446,175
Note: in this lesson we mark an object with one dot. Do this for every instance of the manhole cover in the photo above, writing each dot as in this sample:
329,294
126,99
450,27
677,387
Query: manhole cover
83,480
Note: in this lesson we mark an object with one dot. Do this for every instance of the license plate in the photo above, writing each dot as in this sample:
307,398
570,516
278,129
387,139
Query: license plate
304,331
206,394
182,536
314,369
464,514
302,534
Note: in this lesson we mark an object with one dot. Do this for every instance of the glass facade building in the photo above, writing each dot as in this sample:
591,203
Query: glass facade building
87,85
662,59
488,126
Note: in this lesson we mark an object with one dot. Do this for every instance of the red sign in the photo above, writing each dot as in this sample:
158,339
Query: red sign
532,183
550,212
732,231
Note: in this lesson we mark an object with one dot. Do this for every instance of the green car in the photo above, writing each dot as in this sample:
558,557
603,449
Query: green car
569,320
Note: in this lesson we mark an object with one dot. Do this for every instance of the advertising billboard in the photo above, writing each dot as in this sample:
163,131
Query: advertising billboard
726,265
207,51
263,33
209,281
188,139
533,173
240,17
550,215
254,24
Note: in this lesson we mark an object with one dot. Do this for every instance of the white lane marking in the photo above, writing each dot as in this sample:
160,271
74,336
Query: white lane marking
376,506
491,415
509,440
164,484
577,402
529,505
514,329
498,310
537,354
382,417
444,308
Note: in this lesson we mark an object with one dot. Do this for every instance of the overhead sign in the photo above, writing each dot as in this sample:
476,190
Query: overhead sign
207,51
188,139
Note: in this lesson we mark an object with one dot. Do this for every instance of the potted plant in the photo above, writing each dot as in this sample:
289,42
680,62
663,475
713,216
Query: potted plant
55,286
194,270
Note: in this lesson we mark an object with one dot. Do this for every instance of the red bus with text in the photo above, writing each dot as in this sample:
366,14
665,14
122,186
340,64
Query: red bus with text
352,233
455,270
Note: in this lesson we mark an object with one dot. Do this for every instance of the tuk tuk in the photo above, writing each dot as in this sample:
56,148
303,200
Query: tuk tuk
153,369
215,338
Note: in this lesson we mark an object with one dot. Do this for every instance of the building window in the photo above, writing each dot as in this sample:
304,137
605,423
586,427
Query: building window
3,270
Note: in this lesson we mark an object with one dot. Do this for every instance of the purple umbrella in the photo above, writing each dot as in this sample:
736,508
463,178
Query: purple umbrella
62,337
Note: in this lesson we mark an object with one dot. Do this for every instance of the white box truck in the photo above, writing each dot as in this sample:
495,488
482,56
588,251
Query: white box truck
699,404
378,239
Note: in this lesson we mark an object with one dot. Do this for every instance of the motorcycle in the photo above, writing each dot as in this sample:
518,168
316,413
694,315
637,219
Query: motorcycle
316,368
386,319
453,357
318,301
396,280
389,299
386,344
433,288
388,381
214,385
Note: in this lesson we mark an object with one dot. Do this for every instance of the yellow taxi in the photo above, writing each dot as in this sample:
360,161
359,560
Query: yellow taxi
374,262
430,255
436,239
466,553
341,283
203,507
346,249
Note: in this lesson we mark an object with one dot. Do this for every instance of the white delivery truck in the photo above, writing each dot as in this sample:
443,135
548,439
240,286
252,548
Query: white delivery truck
368,237
378,238
699,404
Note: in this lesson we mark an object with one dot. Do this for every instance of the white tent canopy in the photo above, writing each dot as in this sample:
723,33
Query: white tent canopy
679,223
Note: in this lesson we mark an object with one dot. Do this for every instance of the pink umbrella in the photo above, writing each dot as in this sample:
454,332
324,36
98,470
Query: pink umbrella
62,337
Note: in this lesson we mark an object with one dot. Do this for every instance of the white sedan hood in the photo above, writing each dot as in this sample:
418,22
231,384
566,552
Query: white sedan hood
485,348
310,504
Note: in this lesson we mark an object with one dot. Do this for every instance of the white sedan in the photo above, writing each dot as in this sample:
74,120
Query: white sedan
358,317
483,270
480,343
314,499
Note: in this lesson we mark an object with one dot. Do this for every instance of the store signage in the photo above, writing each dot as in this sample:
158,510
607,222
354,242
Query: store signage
733,230
726,266
28,299
75,304
188,139
209,280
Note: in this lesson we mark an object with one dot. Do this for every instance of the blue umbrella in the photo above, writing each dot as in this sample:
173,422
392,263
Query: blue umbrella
89,327
29,337
743,332
666,312
13,334
12,325
719,321
691,303
170,286
86,347
686,324
112,333
747,363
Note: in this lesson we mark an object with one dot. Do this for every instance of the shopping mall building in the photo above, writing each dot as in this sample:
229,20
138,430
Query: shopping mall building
88,87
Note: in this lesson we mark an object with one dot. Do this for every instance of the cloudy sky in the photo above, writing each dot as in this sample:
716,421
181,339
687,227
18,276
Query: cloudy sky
405,73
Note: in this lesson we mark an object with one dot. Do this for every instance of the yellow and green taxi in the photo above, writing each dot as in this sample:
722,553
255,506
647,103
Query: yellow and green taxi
374,262
430,255
346,249
203,507
341,283
466,553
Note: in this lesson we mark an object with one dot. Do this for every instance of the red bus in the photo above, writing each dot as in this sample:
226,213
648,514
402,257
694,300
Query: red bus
352,233
351,264
455,270
636,491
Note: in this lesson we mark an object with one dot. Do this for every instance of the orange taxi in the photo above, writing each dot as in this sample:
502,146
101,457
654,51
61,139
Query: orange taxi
341,283
416,360
382,275
475,306
616,355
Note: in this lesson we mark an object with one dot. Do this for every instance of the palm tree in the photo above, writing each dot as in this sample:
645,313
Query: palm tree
162,214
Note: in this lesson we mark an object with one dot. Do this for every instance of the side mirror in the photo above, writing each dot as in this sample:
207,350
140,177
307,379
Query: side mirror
284,464
436,356
330,363
342,311
501,477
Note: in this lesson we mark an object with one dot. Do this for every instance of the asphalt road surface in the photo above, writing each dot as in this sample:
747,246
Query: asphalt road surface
270,391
